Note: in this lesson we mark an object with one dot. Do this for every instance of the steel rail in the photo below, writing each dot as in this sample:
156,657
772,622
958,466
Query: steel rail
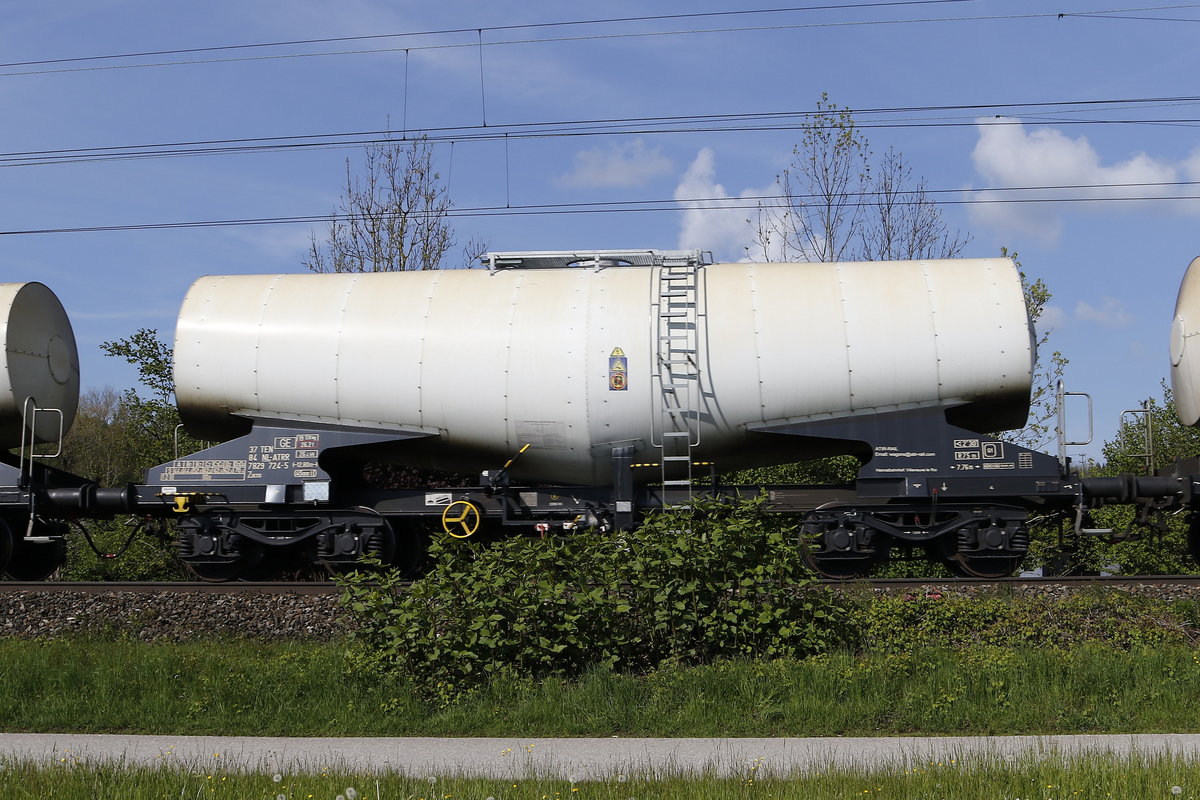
173,587
328,587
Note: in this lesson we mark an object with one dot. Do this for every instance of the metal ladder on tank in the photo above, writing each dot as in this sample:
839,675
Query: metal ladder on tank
677,368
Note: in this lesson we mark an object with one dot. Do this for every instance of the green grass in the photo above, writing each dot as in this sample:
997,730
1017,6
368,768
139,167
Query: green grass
293,689
1078,778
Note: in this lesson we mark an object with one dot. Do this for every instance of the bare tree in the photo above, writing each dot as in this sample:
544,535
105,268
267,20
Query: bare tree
837,204
820,214
901,222
392,217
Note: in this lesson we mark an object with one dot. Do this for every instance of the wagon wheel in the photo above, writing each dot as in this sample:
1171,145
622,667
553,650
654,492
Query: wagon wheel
382,545
968,567
36,561
6,544
249,564
1193,535
843,567
410,547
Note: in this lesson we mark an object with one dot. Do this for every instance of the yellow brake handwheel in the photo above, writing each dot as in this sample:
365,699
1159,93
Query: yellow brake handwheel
461,519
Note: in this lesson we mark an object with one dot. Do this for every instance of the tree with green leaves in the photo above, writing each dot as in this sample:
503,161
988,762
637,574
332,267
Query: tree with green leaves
1039,431
115,439
156,433
1122,539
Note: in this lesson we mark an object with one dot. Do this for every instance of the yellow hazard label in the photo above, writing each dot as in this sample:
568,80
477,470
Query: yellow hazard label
618,366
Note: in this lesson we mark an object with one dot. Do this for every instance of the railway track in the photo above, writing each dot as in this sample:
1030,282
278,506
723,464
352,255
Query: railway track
328,587
173,587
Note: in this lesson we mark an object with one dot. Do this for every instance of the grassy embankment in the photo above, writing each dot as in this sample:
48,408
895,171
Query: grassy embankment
1043,778
243,688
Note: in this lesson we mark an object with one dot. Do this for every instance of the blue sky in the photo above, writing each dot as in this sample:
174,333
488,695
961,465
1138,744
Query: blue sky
950,71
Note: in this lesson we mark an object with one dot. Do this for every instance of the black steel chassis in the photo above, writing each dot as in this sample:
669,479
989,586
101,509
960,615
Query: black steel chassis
965,497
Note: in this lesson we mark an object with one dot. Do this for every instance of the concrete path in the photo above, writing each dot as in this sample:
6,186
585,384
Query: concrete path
569,758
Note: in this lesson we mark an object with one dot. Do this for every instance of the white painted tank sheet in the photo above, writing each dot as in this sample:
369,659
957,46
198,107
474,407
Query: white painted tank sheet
40,361
489,361
1185,347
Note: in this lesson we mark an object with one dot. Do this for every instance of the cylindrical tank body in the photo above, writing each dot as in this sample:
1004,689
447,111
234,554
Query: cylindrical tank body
1185,347
488,361
41,364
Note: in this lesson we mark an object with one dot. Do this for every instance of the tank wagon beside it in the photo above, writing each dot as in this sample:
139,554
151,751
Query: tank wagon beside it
570,368
39,394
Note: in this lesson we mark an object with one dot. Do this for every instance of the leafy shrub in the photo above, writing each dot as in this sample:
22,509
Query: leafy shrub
147,557
901,624
689,586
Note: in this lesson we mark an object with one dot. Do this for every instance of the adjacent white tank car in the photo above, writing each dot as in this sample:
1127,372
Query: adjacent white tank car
617,349
40,367
1185,347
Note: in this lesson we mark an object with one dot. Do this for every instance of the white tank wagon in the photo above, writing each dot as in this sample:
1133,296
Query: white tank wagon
475,364
41,365
1185,347
590,363
39,395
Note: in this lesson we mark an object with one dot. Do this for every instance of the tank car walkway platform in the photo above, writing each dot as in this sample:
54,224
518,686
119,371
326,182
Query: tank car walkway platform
576,758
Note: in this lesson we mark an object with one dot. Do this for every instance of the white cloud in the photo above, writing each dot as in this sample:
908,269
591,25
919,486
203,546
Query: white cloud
1052,317
1110,313
1107,312
709,221
285,243
616,166
1009,157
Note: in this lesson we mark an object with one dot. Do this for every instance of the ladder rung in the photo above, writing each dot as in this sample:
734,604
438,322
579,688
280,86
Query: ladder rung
683,482
676,434
677,458
674,292
673,314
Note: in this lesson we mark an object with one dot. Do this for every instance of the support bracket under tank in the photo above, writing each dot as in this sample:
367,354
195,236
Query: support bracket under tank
918,453
273,464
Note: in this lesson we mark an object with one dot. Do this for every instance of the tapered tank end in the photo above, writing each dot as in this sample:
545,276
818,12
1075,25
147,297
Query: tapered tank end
39,364
1185,347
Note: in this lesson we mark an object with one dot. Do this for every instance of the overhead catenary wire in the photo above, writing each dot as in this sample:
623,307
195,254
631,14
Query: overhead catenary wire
571,39
486,28
631,126
647,206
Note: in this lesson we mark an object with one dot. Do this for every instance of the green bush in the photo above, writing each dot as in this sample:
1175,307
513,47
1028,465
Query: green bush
901,624
688,587
146,558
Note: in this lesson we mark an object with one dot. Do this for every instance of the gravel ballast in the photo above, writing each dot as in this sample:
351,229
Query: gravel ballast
173,616
182,616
